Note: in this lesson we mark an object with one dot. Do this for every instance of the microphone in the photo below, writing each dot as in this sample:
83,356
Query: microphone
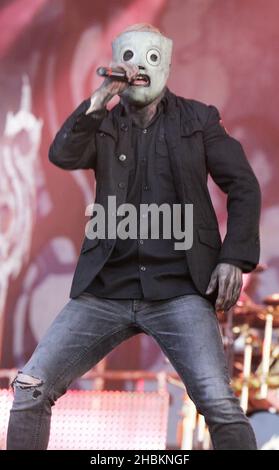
111,72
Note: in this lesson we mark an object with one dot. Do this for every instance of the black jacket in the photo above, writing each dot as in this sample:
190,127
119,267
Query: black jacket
198,144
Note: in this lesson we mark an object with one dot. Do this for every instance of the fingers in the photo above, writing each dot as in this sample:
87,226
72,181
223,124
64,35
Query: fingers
221,292
237,287
230,283
229,289
213,283
113,87
131,70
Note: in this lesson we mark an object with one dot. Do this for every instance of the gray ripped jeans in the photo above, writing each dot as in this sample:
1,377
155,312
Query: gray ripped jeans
186,329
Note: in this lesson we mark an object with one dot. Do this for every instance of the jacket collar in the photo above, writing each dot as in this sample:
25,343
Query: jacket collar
171,102
188,122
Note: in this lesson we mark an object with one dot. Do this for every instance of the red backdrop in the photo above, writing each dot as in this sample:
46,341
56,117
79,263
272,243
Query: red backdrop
225,53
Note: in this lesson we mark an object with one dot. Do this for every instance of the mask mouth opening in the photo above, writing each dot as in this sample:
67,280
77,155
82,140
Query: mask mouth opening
141,80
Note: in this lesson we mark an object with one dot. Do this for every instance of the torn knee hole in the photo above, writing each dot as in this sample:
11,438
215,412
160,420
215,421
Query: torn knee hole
28,382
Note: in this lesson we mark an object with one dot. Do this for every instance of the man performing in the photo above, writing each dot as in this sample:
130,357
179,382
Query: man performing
152,148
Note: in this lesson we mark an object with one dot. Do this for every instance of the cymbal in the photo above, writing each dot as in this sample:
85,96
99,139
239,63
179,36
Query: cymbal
260,320
254,382
246,312
272,300
244,307
248,308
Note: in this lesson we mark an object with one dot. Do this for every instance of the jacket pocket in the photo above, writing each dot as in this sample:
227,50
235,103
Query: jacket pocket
162,158
89,244
210,237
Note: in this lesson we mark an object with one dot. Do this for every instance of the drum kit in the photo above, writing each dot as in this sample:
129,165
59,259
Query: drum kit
250,334
255,352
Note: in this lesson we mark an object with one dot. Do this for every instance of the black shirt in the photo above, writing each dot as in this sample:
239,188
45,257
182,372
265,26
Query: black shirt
148,269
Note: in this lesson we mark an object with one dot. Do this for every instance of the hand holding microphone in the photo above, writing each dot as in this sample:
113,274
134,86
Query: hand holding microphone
117,79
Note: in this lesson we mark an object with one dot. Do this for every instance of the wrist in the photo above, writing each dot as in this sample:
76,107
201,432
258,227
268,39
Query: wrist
99,99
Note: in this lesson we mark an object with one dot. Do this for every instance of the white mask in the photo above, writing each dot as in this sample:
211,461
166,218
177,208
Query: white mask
152,52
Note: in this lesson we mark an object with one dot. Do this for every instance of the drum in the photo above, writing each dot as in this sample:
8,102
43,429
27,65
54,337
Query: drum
266,428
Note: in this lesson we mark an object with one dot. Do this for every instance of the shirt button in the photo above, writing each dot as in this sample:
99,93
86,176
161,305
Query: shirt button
65,135
141,242
122,157
144,131
121,185
146,188
143,268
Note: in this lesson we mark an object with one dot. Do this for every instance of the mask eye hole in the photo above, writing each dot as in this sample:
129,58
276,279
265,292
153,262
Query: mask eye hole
128,55
153,57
